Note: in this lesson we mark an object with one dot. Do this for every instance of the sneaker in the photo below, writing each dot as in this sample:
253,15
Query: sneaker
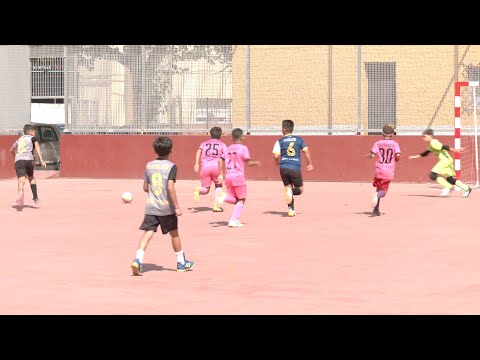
219,199
291,212
196,194
235,223
445,192
376,213
466,193
137,267
216,209
374,200
185,267
20,198
288,195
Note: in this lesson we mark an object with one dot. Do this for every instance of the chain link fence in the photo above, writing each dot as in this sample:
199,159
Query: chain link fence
187,89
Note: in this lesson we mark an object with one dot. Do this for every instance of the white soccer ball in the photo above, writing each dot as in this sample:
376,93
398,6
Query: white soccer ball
127,197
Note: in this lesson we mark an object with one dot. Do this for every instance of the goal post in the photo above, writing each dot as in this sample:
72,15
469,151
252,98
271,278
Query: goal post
466,132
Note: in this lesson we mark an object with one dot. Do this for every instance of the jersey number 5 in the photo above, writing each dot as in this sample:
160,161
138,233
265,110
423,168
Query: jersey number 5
386,157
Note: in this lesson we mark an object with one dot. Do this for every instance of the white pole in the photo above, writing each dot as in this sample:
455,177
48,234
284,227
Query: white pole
475,132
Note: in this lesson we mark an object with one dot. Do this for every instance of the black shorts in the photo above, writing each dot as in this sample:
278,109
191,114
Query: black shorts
291,176
24,168
167,223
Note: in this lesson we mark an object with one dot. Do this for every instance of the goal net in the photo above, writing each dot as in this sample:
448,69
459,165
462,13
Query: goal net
467,96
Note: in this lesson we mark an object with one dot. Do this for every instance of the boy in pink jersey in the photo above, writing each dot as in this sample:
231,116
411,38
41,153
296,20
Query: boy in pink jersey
388,152
209,152
232,169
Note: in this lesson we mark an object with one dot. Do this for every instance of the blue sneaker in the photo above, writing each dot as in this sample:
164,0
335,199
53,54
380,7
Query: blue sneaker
185,267
137,267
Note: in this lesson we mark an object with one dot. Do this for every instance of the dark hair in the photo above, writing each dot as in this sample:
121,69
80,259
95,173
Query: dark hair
237,133
388,129
288,125
27,128
428,132
216,132
162,145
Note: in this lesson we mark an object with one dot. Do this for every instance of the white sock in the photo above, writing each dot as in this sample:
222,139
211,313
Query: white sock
140,254
180,257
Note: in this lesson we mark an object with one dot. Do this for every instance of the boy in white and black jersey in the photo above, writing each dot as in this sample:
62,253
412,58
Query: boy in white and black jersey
23,149
162,207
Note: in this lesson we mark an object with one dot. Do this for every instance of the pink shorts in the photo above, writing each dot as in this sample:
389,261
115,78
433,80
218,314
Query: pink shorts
209,174
237,191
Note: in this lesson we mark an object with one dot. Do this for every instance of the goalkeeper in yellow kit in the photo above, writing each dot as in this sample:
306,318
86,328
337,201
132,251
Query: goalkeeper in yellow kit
444,167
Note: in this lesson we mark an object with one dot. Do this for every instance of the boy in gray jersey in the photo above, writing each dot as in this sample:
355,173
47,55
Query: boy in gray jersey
162,206
22,149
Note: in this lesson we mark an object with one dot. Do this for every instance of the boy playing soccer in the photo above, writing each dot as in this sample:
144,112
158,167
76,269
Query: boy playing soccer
444,166
233,160
209,151
22,149
287,154
388,152
162,205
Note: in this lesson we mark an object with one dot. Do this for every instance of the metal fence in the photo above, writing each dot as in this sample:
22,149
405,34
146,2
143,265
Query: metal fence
325,89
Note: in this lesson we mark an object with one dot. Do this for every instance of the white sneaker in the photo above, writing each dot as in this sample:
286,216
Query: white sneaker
196,194
288,195
445,192
374,200
466,193
235,223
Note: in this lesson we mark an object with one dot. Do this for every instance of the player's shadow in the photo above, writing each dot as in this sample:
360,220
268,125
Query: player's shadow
423,195
200,209
368,213
154,267
281,213
21,207
219,223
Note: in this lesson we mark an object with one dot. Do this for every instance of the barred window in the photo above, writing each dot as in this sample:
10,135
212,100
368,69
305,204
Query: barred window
47,77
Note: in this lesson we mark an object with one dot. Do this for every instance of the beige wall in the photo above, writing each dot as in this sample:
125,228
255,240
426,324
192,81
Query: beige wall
292,82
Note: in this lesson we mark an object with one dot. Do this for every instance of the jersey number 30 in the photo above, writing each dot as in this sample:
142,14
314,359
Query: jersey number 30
386,157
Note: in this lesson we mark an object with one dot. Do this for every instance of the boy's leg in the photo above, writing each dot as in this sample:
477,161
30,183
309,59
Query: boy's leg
137,264
443,168
466,189
297,181
218,189
204,189
33,185
21,184
240,193
182,263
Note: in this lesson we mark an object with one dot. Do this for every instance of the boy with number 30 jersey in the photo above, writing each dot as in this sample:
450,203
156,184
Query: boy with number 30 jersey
387,151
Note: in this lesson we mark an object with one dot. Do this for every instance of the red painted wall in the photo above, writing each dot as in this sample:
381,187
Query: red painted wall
335,158
7,164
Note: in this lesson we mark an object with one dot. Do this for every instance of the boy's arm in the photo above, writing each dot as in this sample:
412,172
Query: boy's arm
276,152
145,186
12,149
371,154
309,159
221,169
423,154
196,167
39,152
251,162
173,196
172,177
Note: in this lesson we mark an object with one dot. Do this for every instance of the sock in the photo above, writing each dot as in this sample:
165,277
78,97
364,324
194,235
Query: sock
237,211
180,257
444,182
292,205
296,191
230,199
140,254
377,207
34,190
203,190
461,185
218,190
380,193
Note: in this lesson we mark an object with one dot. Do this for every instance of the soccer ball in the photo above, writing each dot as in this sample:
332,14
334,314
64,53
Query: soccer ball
127,197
